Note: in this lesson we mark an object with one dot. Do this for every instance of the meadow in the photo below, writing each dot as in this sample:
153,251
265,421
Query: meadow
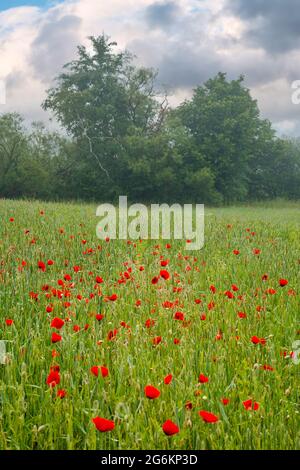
145,345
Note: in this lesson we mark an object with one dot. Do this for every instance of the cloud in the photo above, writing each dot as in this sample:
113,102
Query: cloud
273,25
180,66
189,41
55,44
162,14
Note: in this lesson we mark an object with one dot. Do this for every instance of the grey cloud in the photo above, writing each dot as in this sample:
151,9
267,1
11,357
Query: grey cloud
272,24
186,56
178,47
55,45
161,14
187,67
179,65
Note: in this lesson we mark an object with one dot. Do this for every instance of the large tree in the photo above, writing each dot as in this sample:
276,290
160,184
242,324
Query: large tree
100,99
225,123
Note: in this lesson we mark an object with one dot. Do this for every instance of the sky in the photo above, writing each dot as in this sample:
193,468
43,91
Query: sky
188,41
6,4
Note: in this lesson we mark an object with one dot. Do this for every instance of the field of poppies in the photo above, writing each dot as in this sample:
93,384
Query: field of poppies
145,345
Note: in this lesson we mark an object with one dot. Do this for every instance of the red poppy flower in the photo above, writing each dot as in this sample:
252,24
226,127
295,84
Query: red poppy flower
242,315
212,289
225,401
99,316
42,266
265,277
61,393
95,370
103,425
164,263
176,341
229,294
170,428
271,291
168,304
208,417
251,405
50,262
267,367
179,316
104,371
112,297
257,340
168,379
149,323
234,287
236,252
76,328
164,274
155,280
9,322
11,219
99,280
151,392
283,282
256,251
53,378
55,338
203,379
57,323
203,317
112,334
156,340
188,405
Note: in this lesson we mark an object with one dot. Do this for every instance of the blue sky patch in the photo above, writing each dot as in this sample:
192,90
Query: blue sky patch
6,4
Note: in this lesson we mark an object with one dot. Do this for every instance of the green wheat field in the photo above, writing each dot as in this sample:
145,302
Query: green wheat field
144,344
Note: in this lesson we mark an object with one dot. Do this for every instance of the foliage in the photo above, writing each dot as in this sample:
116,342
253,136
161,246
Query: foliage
123,138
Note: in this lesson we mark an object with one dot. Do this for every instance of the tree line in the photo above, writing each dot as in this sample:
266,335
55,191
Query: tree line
122,137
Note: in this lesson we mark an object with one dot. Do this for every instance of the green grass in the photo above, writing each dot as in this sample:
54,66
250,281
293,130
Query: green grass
31,415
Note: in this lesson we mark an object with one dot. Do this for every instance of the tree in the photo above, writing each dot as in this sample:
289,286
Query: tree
12,149
167,167
276,172
225,123
100,99
30,159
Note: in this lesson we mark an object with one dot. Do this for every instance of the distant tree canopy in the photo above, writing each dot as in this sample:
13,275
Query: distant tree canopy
123,138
